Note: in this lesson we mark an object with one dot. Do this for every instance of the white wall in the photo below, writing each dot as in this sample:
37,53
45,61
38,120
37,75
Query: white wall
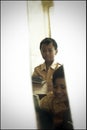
17,110
37,31
68,28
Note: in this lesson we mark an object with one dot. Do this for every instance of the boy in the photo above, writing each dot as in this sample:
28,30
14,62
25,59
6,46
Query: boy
48,48
56,103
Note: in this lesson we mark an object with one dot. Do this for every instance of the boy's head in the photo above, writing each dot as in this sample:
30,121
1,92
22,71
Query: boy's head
59,85
48,48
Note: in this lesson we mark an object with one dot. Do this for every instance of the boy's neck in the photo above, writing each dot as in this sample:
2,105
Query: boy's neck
48,64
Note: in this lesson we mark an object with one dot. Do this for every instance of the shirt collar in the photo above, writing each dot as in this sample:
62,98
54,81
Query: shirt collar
53,65
43,66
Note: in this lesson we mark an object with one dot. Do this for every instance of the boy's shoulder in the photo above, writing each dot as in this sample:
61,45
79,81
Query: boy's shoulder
48,97
43,66
39,66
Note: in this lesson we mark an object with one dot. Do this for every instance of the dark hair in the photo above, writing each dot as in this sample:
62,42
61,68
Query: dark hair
47,41
58,73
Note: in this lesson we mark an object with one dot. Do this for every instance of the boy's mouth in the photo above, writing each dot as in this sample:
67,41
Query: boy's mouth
60,95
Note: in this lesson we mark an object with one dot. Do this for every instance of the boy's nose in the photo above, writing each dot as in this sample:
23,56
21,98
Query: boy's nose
59,91
47,53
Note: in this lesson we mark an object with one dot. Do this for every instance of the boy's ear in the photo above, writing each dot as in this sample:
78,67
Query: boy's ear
56,52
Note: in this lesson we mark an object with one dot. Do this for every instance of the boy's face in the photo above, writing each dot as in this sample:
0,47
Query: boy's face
48,52
60,88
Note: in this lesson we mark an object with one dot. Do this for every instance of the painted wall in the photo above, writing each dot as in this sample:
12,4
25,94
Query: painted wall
17,109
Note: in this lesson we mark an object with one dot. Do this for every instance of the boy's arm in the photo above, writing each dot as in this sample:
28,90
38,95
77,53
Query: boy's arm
67,123
44,103
35,73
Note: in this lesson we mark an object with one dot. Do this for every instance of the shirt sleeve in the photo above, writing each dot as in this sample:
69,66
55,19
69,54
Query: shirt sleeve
37,71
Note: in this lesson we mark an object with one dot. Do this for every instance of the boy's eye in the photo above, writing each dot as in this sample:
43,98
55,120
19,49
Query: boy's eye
56,86
50,50
44,50
62,86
